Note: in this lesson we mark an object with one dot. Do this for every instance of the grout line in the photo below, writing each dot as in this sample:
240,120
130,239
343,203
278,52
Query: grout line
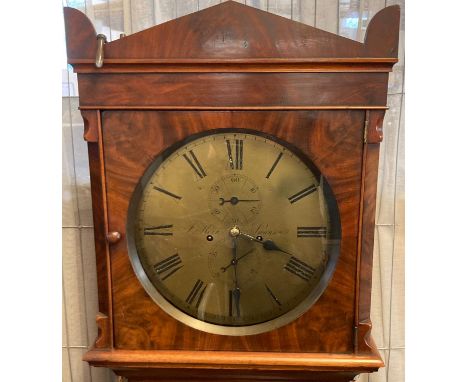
75,347
64,300
78,226
109,20
393,348
315,14
338,18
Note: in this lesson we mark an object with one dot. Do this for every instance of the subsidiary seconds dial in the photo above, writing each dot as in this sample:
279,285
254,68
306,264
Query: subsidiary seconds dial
233,232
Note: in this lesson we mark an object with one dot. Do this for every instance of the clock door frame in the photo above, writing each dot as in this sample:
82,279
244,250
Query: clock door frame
266,64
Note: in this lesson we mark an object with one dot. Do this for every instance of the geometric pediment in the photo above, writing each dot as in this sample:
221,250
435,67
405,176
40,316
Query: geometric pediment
233,31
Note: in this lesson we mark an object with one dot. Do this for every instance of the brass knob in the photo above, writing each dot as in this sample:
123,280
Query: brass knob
113,237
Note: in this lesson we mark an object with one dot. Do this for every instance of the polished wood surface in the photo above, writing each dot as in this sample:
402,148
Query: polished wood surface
229,90
134,139
232,31
246,69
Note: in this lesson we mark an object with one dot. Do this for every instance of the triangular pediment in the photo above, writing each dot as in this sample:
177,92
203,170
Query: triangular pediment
230,31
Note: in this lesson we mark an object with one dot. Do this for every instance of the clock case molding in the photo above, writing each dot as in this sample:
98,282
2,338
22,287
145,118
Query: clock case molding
233,64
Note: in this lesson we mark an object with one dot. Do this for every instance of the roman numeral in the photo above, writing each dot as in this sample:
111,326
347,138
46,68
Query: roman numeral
272,295
238,162
195,164
167,192
299,268
274,165
161,230
196,294
306,191
168,267
311,231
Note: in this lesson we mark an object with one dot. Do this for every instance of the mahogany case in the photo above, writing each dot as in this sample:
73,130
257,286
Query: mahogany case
232,66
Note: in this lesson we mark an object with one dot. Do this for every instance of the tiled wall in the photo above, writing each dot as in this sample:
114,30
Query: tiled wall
349,18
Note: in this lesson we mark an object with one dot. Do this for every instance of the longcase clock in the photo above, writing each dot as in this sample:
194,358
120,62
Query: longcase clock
233,159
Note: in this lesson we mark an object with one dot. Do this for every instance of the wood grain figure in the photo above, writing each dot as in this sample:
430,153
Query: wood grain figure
233,66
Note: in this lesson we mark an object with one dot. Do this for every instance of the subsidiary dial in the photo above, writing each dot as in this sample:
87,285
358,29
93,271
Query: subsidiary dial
235,199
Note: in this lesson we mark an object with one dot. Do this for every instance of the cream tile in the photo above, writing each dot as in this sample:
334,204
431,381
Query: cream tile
327,15
70,215
90,281
280,8
80,370
101,374
83,183
142,14
100,15
73,286
387,163
165,10
184,7
66,373
381,375
362,378
396,77
303,11
381,285
116,18
76,118
376,297
202,4
398,290
66,117
400,175
260,4
349,23
396,365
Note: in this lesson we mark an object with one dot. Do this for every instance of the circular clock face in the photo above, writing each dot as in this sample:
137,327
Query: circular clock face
233,232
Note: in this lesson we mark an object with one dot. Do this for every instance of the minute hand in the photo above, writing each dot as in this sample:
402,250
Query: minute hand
269,245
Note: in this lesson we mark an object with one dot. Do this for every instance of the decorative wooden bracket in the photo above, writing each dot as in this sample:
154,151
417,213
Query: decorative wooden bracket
103,338
373,130
91,125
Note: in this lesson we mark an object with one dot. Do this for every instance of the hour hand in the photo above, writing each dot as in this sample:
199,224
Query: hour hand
268,245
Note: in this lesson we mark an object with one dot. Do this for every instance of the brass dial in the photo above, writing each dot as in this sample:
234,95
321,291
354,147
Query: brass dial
233,230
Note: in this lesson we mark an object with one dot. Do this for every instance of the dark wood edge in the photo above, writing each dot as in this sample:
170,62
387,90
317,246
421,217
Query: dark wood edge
244,61
104,333
216,108
93,135
233,68
363,340
90,118
232,360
